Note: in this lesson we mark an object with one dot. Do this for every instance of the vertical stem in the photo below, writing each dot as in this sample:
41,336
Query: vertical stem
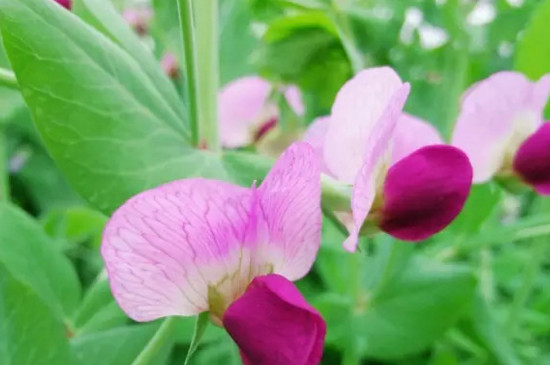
532,269
207,67
200,328
185,9
347,38
4,175
164,333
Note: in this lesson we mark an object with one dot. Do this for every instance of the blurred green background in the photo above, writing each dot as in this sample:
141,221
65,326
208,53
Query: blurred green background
477,293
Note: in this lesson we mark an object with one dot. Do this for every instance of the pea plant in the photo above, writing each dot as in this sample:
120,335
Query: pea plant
274,182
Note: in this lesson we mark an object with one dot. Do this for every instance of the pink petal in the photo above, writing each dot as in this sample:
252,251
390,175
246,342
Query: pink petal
425,191
64,3
495,112
315,135
412,133
293,97
163,247
357,116
532,161
241,105
273,324
291,205
373,168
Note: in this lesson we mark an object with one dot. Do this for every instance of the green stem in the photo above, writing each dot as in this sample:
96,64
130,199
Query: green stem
4,176
207,67
7,78
200,327
164,333
529,277
185,9
345,32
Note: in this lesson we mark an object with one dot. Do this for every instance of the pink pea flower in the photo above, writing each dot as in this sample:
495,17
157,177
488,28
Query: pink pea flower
170,65
138,19
405,181
67,4
199,245
500,127
246,114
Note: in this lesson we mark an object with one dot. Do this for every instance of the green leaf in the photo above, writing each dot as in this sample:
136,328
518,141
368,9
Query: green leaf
31,257
408,313
98,112
102,15
98,310
116,346
30,333
533,54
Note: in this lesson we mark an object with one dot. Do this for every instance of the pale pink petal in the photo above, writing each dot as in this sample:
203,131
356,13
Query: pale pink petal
290,201
356,117
316,135
293,97
165,246
368,178
495,114
412,133
241,107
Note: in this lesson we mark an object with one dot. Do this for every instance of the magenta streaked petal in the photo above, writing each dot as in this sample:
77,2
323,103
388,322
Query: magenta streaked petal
274,325
373,168
163,247
424,192
495,112
290,198
358,115
412,133
532,161
241,105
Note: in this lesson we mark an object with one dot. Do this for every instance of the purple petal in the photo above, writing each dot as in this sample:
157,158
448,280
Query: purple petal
244,108
374,166
273,324
67,4
495,114
412,133
164,247
290,201
358,115
532,161
424,192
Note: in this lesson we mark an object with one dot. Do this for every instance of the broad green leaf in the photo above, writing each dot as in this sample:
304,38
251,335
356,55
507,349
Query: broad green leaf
32,258
409,312
533,54
118,346
479,206
30,333
104,17
99,114
98,310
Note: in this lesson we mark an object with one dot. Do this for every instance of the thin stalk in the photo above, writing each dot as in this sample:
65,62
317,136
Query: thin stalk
207,67
164,333
8,79
529,277
4,174
200,327
185,9
345,32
